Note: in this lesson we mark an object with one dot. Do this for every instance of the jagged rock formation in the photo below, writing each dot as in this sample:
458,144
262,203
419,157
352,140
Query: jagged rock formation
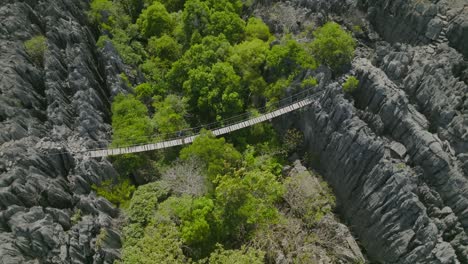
420,21
47,212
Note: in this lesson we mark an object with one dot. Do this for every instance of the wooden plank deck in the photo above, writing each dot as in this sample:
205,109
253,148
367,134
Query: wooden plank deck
189,139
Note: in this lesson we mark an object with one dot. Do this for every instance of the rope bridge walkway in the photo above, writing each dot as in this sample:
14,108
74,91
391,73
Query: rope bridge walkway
226,126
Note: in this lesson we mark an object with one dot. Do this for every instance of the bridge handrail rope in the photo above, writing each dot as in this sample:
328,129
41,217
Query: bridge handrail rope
190,133
285,102
214,125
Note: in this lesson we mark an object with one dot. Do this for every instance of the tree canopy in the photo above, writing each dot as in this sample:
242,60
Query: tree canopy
333,46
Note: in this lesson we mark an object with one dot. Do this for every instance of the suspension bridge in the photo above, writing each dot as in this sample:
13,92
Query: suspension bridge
282,107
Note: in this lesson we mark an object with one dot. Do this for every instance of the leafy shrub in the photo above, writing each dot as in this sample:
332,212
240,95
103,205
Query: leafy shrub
130,121
333,46
351,84
229,24
165,47
244,255
76,217
118,193
256,28
219,156
35,48
170,114
246,201
155,21
309,82
292,139
159,244
145,200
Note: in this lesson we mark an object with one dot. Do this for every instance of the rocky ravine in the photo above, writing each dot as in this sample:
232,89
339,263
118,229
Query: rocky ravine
48,213
395,151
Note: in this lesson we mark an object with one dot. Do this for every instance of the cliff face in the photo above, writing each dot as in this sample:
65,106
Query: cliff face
47,213
420,22
395,150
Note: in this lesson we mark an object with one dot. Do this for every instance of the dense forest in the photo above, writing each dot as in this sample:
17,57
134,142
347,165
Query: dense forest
217,200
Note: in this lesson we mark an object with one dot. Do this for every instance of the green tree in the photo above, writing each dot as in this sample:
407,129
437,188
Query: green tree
208,52
145,200
249,59
247,200
155,21
171,5
256,28
109,15
289,58
234,6
159,244
165,47
130,121
220,157
170,113
351,84
36,47
196,18
215,91
119,193
130,50
244,255
333,46
195,215
145,92
229,24
131,7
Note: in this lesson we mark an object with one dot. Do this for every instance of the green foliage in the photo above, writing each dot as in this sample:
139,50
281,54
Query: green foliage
130,121
169,116
351,84
205,54
99,9
145,200
76,217
165,47
246,200
245,255
145,92
214,91
256,28
248,59
289,58
234,6
292,139
36,47
132,52
159,244
219,156
155,21
277,89
229,24
101,237
108,15
333,46
119,193
309,82
195,215
131,7
196,18
171,5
